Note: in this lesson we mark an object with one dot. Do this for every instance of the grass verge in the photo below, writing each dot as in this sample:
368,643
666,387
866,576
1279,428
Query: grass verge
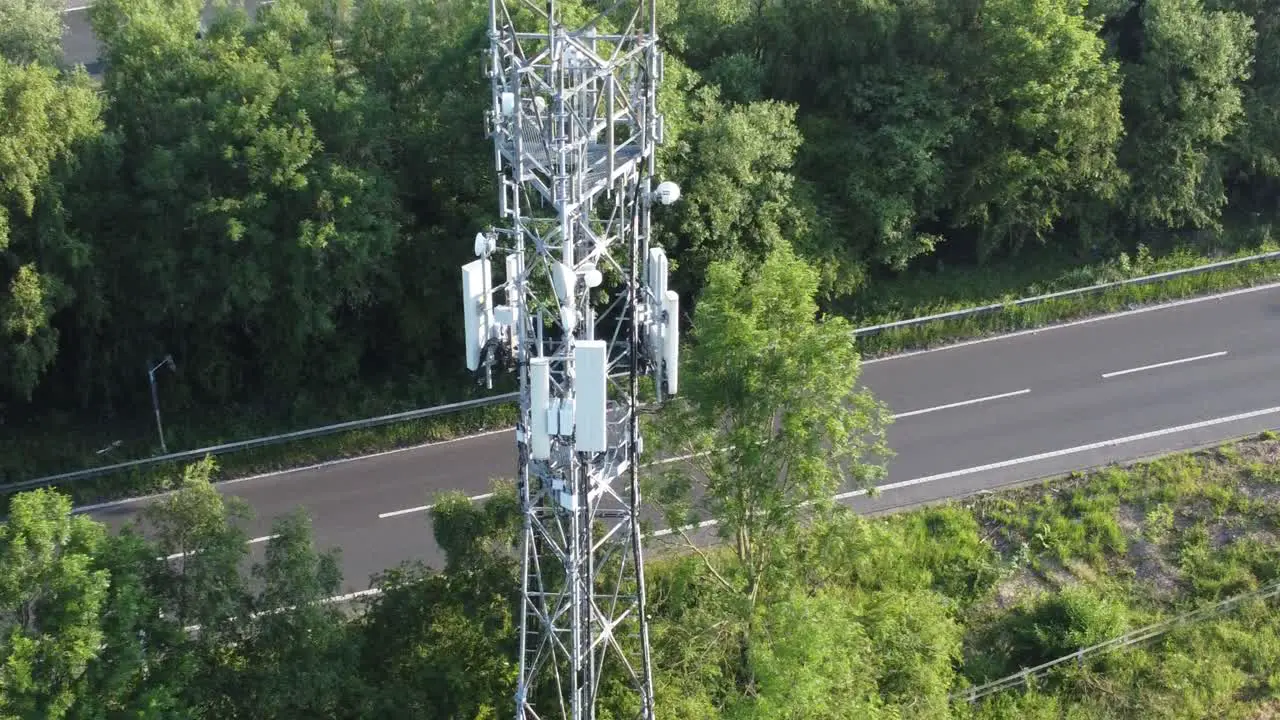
954,595
1049,312
160,477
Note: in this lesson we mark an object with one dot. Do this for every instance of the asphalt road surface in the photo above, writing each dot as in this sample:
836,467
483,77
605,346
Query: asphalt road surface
970,417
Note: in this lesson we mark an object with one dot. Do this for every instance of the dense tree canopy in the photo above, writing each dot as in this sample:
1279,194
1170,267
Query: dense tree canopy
1186,84
44,117
281,202
30,31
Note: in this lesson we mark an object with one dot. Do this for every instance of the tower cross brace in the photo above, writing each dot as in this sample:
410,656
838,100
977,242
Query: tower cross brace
585,314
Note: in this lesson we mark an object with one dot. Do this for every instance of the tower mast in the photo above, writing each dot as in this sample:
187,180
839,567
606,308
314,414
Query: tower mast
585,313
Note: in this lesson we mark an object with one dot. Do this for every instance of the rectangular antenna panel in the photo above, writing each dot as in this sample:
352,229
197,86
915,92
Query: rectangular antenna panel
671,343
591,363
567,409
656,273
474,310
553,416
504,316
539,397
513,274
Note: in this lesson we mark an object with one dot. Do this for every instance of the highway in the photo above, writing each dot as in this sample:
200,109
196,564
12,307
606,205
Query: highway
970,417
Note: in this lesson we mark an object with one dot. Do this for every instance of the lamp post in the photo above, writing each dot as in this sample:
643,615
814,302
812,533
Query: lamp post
155,399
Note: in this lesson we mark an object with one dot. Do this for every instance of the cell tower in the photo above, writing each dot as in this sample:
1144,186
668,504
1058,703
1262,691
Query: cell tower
586,312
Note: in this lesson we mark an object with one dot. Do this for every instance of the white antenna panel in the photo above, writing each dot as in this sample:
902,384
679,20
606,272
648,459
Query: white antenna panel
513,275
539,403
591,362
671,343
504,316
566,412
475,309
657,273
553,416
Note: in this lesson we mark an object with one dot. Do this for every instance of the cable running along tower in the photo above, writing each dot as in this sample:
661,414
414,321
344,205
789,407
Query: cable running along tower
585,313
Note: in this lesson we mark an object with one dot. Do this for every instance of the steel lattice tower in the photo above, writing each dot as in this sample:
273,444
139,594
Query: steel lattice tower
574,122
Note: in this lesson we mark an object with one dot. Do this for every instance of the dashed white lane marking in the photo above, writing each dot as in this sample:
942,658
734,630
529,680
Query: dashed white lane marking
254,541
1206,356
1038,457
663,461
962,403
424,508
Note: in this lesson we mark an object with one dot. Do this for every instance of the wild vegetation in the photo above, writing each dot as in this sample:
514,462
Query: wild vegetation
858,617
300,187
805,609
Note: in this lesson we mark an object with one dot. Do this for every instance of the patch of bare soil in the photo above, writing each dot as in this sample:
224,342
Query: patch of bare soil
1130,519
1263,451
1222,534
1019,585
1261,491
1267,711
1153,569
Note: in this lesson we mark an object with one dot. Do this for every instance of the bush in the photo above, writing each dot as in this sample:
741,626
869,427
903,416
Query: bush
1058,624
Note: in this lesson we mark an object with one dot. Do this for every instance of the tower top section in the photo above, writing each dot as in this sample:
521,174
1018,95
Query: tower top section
574,95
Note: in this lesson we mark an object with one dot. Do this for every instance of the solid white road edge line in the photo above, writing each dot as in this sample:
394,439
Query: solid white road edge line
1163,364
1075,323
486,496
254,541
664,461
1038,457
962,403
953,346
304,468
958,473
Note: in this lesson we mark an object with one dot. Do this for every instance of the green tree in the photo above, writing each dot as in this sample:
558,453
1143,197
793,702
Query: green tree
43,117
1044,122
52,596
31,31
734,165
1182,101
770,418
259,226
818,662
879,113
403,51
835,653
445,644
198,530
1254,158
298,652
138,671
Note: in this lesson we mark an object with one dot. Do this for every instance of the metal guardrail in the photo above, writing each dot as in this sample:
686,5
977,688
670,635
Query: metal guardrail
996,307
263,441
499,399
1131,638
